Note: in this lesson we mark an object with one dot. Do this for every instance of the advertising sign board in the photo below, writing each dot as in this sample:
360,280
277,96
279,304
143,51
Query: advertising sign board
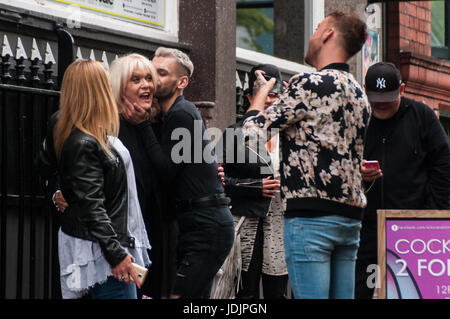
414,254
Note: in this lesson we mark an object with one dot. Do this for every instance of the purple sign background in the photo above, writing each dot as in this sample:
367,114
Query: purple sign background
417,259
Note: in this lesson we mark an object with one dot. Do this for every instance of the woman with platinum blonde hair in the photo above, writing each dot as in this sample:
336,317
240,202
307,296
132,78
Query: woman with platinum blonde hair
134,79
102,233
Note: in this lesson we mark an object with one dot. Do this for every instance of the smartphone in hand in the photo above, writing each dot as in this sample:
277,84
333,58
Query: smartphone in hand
141,272
372,164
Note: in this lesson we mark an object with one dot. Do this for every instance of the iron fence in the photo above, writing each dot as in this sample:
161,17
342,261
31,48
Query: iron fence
28,222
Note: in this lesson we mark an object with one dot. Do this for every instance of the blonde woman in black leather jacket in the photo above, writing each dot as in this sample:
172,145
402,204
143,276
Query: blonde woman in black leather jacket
82,147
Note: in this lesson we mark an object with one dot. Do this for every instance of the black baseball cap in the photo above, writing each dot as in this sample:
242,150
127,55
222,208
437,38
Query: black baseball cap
383,82
271,71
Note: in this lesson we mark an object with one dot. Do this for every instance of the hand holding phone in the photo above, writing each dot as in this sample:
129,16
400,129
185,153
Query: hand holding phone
371,171
371,164
141,272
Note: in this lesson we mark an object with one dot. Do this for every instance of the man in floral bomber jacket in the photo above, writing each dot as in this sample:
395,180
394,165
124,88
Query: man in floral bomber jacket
322,118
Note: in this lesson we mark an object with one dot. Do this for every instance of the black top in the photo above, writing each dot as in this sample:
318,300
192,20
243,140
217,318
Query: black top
184,158
157,209
414,156
149,193
244,170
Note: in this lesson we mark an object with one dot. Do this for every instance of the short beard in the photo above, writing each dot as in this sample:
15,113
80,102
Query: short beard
165,95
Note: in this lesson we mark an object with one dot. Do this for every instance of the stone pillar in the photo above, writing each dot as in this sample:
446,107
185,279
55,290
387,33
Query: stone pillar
209,30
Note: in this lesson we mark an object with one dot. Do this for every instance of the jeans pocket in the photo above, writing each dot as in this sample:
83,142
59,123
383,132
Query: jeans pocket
350,241
304,244
318,242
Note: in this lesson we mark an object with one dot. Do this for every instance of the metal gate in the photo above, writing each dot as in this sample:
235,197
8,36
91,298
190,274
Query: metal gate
29,223
28,226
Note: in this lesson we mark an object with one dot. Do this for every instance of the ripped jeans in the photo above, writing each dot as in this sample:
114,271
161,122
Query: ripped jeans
205,239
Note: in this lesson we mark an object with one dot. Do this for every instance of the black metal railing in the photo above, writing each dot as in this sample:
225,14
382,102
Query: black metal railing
28,224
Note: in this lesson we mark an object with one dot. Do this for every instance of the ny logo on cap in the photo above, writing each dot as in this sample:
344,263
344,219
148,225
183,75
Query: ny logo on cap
381,83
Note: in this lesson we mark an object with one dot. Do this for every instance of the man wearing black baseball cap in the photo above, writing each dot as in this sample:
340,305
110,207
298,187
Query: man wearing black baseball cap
413,152
384,89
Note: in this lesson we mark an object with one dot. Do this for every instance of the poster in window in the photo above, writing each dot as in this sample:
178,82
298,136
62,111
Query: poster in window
370,51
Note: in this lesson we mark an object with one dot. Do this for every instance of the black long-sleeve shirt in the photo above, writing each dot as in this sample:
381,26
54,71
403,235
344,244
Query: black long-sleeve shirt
184,157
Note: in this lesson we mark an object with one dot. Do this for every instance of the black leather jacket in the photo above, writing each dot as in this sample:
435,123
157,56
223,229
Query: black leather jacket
95,187
243,176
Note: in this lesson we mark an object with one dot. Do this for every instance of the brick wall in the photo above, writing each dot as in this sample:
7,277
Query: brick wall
409,47
409,27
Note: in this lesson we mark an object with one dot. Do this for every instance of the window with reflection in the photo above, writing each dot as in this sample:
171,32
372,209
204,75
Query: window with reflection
440,29
254,25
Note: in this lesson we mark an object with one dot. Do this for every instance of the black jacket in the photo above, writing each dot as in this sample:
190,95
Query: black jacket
182,155
244,171
95,187
414,155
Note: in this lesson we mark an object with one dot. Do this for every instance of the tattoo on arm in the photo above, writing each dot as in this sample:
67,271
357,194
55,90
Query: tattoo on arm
259,83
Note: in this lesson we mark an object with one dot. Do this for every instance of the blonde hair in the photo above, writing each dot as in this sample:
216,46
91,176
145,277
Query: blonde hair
86,103
120,73
182,58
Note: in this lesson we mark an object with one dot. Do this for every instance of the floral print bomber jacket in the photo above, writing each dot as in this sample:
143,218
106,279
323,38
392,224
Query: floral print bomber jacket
322,118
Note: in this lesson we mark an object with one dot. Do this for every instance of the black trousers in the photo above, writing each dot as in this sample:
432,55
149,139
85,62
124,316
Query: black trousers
367,255
206,236
274,287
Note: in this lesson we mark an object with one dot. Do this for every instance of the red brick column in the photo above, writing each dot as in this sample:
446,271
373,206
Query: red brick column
409,47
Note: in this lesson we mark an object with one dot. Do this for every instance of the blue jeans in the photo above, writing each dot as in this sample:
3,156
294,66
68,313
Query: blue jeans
321,256
113,289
